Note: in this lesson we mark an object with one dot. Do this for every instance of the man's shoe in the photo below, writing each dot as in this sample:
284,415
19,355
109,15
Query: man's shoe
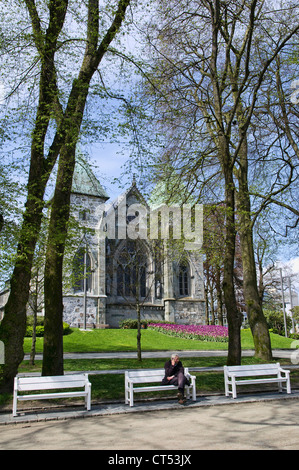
181,398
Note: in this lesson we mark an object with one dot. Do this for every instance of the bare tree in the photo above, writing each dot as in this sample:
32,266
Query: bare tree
211,60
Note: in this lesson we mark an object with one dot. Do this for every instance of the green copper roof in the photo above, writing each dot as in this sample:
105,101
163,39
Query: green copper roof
85,182
170,190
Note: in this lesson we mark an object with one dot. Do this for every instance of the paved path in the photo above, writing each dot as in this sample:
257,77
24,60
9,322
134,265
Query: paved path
243,424
279,353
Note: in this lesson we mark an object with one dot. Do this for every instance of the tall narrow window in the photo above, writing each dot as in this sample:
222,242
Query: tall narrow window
131,271
81,271
184,280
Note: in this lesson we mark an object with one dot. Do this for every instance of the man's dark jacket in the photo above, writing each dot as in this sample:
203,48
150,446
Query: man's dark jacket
171,370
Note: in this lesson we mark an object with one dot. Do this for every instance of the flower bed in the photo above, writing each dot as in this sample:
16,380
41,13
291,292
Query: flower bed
198,332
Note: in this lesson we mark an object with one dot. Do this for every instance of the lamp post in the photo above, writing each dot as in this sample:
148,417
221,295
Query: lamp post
291,304
283,306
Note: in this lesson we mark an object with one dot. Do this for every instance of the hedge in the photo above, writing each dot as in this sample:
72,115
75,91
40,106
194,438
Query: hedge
132,324
40,329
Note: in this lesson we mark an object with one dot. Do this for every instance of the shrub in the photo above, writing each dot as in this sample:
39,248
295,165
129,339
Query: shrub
39,331
275,321
294,336
131,324
40,328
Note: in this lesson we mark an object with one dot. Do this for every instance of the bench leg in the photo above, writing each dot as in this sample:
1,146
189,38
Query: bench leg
131,395
15,397
88,397
127,394
234,389
193,390
288,384
15,401
226,386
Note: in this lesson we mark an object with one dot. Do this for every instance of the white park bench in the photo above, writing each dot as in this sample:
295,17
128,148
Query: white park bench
139,380
58,382
255,374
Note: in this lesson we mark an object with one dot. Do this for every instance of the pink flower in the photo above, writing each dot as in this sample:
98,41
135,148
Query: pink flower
201,332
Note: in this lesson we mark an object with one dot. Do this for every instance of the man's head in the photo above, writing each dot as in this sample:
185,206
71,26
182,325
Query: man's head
175,358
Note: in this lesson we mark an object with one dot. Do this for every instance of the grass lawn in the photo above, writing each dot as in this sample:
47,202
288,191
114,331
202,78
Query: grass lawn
111,386
107,387
125,340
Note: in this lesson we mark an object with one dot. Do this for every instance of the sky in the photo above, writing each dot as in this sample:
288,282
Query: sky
109,163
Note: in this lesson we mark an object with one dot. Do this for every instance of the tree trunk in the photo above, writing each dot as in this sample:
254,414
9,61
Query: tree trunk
219,296
33,343
53,333
234,318
206,305
257,321
138,333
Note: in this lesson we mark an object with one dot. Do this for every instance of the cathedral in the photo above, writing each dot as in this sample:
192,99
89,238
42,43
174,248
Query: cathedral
114,267
113,272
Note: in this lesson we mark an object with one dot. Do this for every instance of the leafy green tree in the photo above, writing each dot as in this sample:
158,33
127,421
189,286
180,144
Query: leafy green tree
55,130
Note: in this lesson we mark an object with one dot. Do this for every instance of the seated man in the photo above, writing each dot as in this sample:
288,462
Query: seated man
174,375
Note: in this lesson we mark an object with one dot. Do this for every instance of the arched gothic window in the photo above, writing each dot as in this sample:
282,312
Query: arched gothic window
82,271
184,280
131,270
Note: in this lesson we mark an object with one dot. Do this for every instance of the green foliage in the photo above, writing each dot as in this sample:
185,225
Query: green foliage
133,324
40,328
295,312
275,321
39,331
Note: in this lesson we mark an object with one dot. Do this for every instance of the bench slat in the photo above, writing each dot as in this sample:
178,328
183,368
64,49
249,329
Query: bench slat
50,385
260,381
143,380
52,378
145,372
252,367
258,367
253,373
43,396
157,388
